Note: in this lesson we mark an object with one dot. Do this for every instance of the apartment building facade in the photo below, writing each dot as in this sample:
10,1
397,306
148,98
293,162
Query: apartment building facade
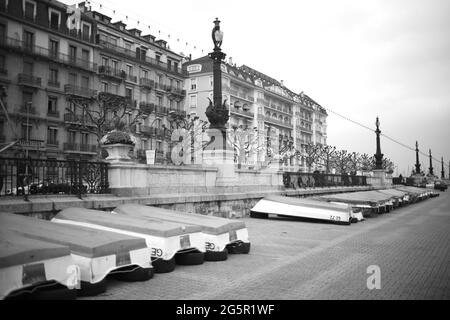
256,100
44,62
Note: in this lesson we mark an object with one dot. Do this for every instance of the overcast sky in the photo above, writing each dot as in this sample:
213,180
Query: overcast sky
361,59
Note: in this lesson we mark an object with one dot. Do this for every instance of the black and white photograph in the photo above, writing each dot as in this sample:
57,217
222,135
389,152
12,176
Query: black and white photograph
227,156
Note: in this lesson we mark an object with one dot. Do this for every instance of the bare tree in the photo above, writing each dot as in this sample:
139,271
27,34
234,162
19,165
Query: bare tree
354,160
341,160
102,113
326,156
246,142
312,155
367,162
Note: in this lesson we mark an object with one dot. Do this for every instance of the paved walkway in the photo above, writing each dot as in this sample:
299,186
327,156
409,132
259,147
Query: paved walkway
292,259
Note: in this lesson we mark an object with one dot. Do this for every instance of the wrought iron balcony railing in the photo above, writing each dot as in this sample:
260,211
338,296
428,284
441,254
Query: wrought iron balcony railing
29,80
79,91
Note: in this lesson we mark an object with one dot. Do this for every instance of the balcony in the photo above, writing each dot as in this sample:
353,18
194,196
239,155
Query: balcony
146,83
133,54
278,122
179,113
54,84
75,119
130,77
52,143
242,112
33,144
152,132
37,51
160,86
53,114
146,107
79,147
174,91
29,80
161,110
111,73
26,109
79,91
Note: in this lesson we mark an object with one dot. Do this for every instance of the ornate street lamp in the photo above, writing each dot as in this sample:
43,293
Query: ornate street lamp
378,154
417,159
431,164
217,112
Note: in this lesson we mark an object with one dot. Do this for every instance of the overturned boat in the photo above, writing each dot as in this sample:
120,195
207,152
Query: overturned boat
303,208
367,201
33,269
221,235
169,242
97,253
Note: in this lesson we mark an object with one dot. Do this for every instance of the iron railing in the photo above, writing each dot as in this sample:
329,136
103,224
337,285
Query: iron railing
318,180
24,177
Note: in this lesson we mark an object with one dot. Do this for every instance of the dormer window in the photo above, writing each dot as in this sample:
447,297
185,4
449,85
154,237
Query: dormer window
86,30
29,11
54,18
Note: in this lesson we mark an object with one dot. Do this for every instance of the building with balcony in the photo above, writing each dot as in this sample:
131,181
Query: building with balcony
44,62
44,65
256,100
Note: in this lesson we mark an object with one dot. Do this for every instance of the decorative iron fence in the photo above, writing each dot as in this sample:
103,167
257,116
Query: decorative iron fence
317,180
23,177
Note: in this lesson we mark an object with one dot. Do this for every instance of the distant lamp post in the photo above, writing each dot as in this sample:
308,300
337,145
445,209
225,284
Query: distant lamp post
431,164
442,168
217,112
417,159
378,154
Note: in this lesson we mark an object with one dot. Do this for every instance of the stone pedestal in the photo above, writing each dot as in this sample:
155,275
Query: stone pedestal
223,160
380,179
118,152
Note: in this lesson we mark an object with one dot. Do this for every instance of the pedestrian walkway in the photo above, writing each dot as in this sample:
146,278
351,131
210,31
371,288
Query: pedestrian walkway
292,259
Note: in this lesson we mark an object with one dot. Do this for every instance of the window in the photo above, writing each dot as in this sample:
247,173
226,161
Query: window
29,10
104,87
2,32
193,101
86,31
114,88
53,77
26,131
171,104
129,70
113,41
52,135
2,137
27,97
129,93
54,48
115,66
158,58
71,136
28,39
73,79
193,84
160,101
169,64
128,46
145,74
72,53
175,66
54,19
84,138
85,55
52,108
85,82
2,64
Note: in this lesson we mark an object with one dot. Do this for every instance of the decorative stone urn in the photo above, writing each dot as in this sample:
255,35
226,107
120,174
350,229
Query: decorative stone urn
118,151
118,144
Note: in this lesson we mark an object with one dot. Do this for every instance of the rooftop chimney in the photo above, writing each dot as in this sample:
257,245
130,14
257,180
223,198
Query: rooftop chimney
230,61
282,84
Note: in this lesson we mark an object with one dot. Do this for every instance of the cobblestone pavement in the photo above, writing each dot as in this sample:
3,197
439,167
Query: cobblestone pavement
292,259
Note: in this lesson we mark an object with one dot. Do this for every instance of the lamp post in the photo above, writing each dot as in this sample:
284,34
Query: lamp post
378,154
217,112
417,159
431,164
442,168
